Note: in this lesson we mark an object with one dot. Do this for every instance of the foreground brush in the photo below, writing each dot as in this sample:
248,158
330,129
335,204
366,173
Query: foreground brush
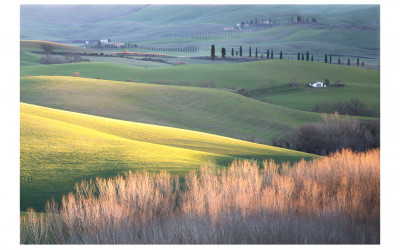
332,200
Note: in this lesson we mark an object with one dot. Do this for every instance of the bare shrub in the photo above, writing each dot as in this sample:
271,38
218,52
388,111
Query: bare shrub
48,59
332,134
352,107
329,200
76,74
129,80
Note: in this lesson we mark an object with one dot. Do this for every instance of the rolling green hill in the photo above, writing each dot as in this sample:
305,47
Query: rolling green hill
27,45
350,30
361,83
60,148
29,59
287,38
201,109
122,22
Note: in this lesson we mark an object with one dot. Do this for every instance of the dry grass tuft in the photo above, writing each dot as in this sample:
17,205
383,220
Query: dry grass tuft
331,200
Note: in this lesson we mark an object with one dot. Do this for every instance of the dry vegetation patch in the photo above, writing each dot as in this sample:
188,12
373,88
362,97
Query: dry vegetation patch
335,199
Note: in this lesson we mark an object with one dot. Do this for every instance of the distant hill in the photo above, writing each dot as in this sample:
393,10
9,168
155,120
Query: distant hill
66,23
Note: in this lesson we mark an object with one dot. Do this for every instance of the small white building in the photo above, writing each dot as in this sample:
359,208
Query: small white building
104,41
317,85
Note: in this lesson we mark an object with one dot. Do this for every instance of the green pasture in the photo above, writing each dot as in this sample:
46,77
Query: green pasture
361,83
60,148
201,109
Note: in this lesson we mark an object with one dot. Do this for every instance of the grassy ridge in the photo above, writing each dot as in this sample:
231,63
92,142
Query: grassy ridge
360,83
201,109
290,39
30,45
60,148
118,23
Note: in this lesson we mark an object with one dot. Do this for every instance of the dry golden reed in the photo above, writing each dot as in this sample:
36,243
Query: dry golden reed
334,199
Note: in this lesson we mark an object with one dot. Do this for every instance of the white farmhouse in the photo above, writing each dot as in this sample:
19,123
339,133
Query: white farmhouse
104,41
317,85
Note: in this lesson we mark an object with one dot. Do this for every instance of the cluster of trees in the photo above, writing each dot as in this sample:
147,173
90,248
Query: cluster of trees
269,55
353,107
328,58
269,21
301,19
262,21
307,57
332,134
49,59
178,49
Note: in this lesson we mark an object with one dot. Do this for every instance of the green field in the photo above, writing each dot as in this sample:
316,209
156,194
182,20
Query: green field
29,59
361,83
201,109
60,148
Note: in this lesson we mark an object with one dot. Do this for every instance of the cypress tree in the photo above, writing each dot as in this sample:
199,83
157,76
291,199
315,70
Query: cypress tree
268,54
298,55
212,52
272,54
232,52
250,51
326,58
338,62
302,56
240,51
348,61
312,58
307,56
280,55
223,53
256,52
358,61
330,59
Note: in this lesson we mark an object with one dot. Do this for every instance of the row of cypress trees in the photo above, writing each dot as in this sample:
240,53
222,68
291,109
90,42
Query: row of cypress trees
270,55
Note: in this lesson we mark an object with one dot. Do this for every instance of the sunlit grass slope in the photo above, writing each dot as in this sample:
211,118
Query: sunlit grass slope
201,109
33,45
361,83
59,148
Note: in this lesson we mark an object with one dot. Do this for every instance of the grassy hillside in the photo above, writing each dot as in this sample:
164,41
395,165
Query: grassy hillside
360,83
60,148
201,109
27,45
122,22
288,38
29,59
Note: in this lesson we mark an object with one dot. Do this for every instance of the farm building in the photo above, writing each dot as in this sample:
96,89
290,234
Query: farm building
317,85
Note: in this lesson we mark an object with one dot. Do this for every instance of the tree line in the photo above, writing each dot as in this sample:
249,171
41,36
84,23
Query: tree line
257,54
270,55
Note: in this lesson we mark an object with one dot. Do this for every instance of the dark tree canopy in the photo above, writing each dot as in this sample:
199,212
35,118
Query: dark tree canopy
212,52
47,47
